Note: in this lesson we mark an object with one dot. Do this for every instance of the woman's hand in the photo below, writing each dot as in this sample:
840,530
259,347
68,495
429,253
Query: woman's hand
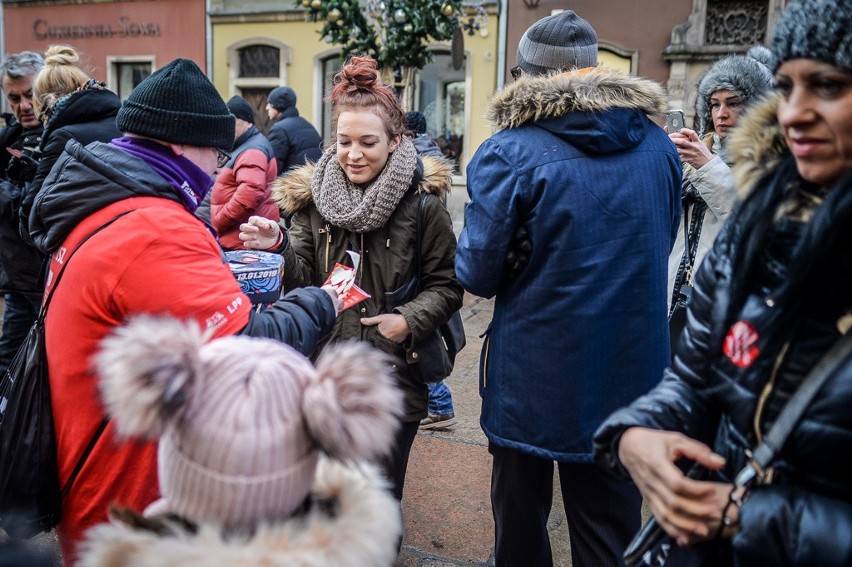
689,510
392,326
260,233
690,148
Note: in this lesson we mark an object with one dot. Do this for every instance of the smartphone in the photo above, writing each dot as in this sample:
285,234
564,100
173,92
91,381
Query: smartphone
674,120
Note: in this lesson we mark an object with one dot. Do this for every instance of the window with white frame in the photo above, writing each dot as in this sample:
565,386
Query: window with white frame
442,98
124,73
256,66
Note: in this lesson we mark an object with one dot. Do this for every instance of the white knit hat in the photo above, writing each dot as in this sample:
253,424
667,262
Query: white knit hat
241,420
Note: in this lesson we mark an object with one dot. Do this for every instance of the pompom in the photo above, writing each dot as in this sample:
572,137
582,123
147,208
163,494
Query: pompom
761,54
146,369
353,407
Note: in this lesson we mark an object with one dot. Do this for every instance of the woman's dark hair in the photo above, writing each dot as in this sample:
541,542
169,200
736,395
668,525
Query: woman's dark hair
358,87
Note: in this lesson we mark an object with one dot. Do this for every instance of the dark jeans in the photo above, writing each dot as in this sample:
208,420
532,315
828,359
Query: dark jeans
395,464
602,512
20,314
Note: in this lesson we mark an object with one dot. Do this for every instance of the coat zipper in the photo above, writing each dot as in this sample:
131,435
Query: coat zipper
767,389
327,231
485,362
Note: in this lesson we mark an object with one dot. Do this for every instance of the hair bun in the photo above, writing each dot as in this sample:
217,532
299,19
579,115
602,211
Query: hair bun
61,55
359,74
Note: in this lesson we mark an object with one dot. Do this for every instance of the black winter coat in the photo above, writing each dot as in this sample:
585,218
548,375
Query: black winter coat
727,388
86,116
294,140
20,262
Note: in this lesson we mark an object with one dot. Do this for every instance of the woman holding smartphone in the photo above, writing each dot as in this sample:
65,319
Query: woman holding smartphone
364,195
708,193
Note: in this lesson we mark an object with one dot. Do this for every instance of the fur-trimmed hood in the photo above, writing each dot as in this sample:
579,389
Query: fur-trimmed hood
757,144
292,191
352,521
534,98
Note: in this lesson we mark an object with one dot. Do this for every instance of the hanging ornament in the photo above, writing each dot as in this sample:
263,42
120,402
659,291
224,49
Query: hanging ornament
382,7
408,28
399,16
306,3
316,4
447,10
334,15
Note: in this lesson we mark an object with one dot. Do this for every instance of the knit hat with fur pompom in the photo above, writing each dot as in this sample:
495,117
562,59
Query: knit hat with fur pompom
241,421
747,76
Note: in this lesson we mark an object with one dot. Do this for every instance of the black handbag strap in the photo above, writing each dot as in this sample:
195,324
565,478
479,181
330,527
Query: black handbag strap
41,316
793,410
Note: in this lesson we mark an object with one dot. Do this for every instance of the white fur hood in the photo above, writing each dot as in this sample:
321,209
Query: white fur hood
352,521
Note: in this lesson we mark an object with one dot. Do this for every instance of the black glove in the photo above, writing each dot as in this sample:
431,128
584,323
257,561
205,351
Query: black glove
519,249
22,169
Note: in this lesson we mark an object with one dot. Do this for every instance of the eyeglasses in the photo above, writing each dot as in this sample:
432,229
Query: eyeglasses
516,72
222,158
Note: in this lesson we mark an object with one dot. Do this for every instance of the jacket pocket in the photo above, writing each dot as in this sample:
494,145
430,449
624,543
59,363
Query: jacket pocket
403,294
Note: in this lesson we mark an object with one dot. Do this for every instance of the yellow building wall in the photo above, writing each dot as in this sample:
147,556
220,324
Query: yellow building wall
306,45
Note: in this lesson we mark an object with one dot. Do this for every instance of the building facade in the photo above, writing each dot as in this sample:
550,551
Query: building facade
262,44
120,43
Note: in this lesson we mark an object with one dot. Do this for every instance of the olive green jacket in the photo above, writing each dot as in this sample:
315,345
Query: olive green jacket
387,263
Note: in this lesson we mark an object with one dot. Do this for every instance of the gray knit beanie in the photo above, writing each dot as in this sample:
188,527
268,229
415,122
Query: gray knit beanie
178,104
746,75
815,29
282,98
562,41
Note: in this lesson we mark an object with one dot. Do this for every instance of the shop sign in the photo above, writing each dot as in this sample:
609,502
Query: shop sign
124,27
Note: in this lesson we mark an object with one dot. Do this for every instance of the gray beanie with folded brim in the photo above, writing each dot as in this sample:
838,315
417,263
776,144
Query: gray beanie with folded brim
560,42
746,75
815,29
178,104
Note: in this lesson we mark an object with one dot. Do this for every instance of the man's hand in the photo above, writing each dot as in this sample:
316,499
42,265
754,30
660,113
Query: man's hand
261,234
338,305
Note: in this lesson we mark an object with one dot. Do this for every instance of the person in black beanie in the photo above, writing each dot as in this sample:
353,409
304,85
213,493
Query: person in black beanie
294,140
771,312
147,254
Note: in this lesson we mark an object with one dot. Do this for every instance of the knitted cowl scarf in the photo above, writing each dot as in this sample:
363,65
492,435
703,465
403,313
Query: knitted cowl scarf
359,209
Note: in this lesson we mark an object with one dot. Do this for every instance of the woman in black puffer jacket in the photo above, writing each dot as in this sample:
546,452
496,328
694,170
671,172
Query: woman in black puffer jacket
772,297
72,106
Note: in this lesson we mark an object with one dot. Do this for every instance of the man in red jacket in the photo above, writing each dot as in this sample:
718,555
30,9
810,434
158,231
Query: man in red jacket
147,254
242,186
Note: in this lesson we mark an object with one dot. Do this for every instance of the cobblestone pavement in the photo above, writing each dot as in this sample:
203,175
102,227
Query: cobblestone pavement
446,505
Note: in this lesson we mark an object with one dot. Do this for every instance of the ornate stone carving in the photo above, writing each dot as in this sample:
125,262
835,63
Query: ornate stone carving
736,22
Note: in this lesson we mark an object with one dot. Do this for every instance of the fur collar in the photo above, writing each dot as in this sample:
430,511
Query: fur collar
757,145
292,190
353,521
532,98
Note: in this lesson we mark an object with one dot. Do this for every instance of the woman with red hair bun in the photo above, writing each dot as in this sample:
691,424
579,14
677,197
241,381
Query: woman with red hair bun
364,195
